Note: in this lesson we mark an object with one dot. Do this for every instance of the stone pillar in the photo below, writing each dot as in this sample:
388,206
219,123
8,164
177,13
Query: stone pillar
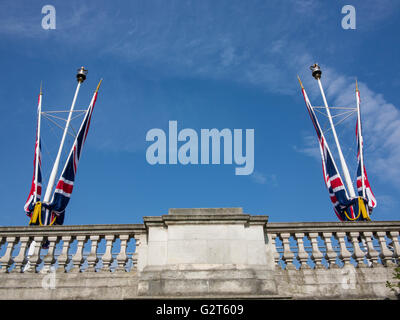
218,251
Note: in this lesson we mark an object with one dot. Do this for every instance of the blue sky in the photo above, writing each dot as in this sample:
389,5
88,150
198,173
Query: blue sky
205,64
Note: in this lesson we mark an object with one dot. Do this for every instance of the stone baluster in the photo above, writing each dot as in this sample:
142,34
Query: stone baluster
372,254
63,258
386,255
2,241
358,254
49,259
276,254
6,261
288,255
302,255
122,258
34,260
344,255
78,259
330,254
316,254
107,257
92,259
394,236
20,260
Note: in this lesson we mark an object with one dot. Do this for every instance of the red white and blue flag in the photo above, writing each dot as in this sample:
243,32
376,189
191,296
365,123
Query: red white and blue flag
363,186
36,186
332,178
65,184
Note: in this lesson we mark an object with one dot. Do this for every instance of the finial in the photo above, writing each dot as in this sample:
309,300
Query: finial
41,88
298,78
356,85
98,86
81,75
316,71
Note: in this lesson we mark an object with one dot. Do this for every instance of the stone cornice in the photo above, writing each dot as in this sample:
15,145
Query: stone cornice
184,216
181,219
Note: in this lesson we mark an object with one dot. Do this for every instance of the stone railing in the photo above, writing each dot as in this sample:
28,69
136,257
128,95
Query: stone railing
200,252
320,245
70,249
294,246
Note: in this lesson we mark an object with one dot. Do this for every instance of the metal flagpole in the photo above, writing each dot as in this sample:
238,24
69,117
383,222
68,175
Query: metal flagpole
32,245
316,72
81,76
360,139
38,142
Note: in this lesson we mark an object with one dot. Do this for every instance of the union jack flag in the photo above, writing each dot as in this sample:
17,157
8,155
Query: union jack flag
364,189
64,187
332,178
36,187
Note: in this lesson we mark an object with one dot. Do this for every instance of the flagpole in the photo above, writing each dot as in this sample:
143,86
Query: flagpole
360,138
38,142
316,72
81,76
37,151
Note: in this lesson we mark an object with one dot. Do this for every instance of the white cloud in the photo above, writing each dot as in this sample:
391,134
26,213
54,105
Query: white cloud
258,177
309,147
381,128
261,178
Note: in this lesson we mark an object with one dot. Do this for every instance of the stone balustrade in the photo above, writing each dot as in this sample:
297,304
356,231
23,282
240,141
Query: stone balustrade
325,245
201,252
61,248
294,246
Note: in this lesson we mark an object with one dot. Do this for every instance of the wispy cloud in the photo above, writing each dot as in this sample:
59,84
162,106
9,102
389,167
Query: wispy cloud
381,125
235,43
261,178
309,147
258,177
268,60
